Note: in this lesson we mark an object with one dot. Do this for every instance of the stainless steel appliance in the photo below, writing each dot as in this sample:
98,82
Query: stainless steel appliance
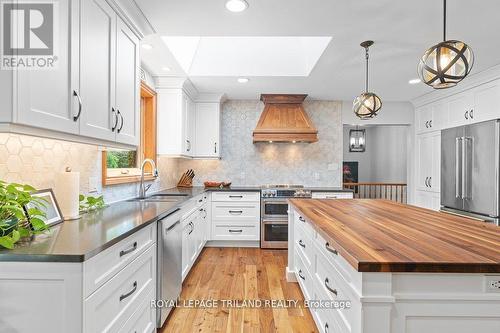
274,214
470,170
169,264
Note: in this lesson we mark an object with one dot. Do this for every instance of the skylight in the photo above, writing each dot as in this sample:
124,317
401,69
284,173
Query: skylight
247,56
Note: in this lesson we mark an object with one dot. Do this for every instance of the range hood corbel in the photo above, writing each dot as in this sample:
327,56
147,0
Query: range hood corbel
284,120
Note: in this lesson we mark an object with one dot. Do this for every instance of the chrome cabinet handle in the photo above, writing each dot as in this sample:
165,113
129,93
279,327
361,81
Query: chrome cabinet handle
188,148
115,116
121,118
192,228
301,243
329,249
466,115
239,212
430,123
236,196
127,251
326,328
215,147
301,276
77,95
333,291
427,124
122,297
426,179
471,114
430,181
236,231
301,219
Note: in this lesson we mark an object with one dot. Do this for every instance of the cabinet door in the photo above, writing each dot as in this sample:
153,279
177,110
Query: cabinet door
423,119
186,144
45,97
207,130
189,126
186,248
97,70
424,157
486,98
127,85
459,108
435,175
439,116
428,200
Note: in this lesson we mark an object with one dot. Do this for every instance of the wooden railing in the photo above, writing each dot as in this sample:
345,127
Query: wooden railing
389,191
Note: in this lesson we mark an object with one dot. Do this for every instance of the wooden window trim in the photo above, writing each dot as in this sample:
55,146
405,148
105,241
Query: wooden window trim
147,147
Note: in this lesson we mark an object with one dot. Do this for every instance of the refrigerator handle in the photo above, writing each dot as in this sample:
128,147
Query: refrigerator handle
465,167
458,164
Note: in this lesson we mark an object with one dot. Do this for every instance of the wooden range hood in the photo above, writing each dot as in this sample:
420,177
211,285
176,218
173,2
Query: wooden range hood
284,120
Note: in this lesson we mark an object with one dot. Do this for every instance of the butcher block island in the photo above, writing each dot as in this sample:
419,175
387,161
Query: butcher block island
379,266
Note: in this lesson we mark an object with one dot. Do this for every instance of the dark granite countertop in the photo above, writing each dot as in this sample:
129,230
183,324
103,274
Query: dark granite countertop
79,240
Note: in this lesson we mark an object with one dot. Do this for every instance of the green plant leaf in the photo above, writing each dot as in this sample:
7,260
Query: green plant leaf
15,236
7,242
23,232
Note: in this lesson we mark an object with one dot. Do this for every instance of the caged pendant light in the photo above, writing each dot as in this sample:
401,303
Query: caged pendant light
366,105
447,63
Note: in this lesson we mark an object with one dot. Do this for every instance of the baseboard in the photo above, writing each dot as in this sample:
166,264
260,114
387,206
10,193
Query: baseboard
232,243
290,275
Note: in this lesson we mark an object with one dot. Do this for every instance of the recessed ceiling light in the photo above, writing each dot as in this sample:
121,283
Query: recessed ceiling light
243,80
166,69
236,6
147,46
414,81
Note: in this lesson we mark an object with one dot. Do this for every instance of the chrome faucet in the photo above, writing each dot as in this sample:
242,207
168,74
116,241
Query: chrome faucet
143,189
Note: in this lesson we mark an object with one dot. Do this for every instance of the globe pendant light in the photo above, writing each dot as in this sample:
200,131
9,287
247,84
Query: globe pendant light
366,105
447,63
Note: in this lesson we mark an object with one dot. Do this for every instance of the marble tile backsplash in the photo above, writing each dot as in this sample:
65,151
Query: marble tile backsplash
245,163
36,161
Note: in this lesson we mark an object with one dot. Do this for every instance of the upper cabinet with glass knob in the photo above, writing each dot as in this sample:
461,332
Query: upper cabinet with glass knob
92,92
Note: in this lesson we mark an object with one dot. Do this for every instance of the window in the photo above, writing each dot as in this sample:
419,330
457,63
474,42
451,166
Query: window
123,166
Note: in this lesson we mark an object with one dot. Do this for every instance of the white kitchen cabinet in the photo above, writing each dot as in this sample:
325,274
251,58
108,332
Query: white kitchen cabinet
486,102
429,161
459,108
127,84
423,119
208,130
93,93
45,98
97,75
431,118
429,200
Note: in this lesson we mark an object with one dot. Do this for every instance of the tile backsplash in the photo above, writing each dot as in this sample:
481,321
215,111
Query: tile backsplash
36,161
246,163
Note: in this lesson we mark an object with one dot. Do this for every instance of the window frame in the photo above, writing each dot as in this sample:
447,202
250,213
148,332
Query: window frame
147,145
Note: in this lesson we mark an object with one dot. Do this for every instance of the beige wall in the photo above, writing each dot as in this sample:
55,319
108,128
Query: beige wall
37,161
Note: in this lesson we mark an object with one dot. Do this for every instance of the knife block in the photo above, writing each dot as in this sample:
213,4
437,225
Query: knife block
186,180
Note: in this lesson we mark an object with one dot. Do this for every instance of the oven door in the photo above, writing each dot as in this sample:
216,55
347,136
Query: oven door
274,234
274,209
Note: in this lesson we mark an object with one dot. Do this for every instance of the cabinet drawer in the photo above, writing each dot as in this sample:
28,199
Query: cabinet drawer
235,212
334,259
303,225
116,301
304,277
99,269
332,195
304,246
236,196
331,285
235,232
144,319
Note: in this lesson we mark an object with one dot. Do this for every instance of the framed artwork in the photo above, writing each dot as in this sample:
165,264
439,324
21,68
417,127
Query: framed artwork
51,209
350,172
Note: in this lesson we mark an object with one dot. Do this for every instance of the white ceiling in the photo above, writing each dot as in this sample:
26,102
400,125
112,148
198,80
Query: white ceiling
402,30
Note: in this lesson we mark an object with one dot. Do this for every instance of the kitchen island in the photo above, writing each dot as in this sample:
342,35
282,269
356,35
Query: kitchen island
399,267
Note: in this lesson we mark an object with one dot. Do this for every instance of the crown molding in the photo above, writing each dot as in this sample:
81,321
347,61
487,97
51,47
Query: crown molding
131,13
470,82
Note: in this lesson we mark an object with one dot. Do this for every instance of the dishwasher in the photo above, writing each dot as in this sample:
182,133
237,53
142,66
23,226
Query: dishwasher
169,264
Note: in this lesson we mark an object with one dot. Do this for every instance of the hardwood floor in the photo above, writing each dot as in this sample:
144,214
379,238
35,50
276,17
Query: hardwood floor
240,274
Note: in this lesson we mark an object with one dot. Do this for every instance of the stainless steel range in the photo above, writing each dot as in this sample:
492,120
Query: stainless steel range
274,213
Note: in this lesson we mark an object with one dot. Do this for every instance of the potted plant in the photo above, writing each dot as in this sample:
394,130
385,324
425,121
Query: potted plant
17,222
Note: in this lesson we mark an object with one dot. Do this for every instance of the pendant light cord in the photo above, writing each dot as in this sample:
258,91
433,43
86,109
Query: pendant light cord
444,20
366,56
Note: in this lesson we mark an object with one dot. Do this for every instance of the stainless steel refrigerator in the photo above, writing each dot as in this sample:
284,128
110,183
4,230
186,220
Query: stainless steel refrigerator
470,158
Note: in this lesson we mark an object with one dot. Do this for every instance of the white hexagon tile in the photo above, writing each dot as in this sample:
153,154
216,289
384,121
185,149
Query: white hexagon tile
245,163
37,161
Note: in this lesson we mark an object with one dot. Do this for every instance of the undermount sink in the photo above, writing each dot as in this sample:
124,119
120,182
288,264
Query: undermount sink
161,197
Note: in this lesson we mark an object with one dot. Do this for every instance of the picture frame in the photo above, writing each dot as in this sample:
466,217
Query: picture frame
52,210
